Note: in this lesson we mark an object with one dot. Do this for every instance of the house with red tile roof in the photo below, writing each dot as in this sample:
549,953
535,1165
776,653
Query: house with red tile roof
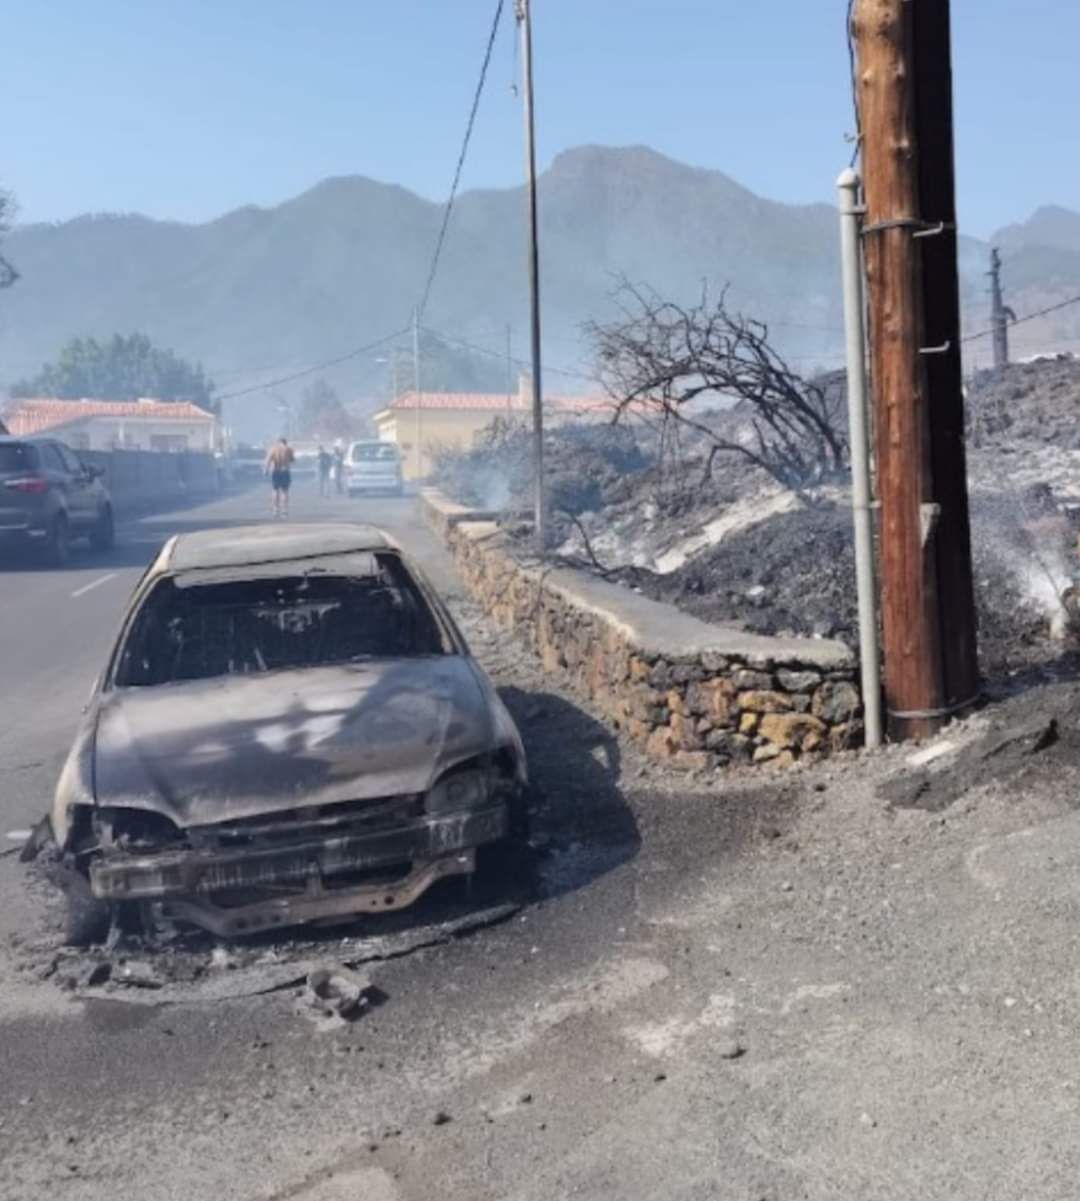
456,419
115,424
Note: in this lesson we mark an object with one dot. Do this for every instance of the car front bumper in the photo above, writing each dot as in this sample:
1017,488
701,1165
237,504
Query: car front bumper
190,881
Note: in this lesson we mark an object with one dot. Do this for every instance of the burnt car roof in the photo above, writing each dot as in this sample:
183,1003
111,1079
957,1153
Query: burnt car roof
247,545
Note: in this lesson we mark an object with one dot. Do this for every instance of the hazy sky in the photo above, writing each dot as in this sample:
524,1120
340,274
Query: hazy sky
187,108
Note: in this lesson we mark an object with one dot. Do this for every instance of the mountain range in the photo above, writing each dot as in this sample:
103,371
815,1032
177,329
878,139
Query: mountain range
260,292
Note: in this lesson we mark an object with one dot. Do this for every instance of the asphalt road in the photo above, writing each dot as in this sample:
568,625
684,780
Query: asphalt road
744,989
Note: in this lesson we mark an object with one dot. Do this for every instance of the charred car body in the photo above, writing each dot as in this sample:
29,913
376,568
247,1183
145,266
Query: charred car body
290,729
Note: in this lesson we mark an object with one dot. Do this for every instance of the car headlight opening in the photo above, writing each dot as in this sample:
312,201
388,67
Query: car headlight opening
461,789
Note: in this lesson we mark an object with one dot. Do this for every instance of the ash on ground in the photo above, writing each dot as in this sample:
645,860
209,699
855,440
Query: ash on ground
645,507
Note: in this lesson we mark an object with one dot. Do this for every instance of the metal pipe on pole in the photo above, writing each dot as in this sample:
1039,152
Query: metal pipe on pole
524,19
854,327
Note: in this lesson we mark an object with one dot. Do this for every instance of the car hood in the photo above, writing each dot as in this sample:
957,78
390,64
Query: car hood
240,746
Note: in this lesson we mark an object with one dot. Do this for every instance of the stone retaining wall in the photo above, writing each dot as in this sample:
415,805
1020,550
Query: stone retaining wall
697,695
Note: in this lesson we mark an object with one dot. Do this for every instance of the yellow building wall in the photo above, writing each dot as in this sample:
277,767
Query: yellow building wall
419,437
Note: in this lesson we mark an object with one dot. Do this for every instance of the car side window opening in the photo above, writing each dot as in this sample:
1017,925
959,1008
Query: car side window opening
248,626
71,461
50,458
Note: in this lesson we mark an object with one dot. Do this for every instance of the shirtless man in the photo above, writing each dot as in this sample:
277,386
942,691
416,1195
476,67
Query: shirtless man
278,467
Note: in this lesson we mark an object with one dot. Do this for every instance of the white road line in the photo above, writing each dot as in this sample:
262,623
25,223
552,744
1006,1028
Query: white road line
94,584
19,835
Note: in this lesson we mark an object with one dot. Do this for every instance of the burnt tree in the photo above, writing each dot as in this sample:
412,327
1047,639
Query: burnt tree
660,357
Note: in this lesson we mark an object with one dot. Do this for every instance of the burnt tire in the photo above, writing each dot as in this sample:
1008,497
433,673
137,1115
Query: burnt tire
87,918
58,542
103,535
506,870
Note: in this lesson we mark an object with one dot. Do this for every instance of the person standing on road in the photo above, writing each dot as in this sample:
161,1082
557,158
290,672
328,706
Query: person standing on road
326,462
278,467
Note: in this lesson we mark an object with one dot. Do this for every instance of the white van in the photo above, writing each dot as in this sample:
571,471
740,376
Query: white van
373,467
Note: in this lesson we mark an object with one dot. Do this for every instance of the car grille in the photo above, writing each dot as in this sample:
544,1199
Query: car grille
320,821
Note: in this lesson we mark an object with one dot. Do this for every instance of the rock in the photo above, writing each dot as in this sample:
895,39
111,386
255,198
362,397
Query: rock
764,702
338,991
748,723
661,744
441,1118
720,702
787,886
684,731
660,675
800,702
692,760
713,662
836,701
798,681
749,681
639,669
767,752
792,729
727,742
730,1048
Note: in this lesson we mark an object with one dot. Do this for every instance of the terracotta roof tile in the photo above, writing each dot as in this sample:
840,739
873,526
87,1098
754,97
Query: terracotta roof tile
34,416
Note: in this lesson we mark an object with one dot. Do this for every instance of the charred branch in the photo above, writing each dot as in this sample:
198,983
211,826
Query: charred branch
660,357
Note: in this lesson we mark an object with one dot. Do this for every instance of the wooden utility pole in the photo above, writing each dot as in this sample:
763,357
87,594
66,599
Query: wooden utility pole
928,612
999,312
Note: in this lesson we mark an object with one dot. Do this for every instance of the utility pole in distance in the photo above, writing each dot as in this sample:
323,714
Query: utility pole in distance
524,20
928,610
418,431
1000,313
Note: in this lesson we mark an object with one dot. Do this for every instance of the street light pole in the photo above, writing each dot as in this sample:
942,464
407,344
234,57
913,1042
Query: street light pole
524,20
416,390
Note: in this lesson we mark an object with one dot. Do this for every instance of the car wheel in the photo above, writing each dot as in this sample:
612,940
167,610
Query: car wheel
103,535
507,869
87,918
58,543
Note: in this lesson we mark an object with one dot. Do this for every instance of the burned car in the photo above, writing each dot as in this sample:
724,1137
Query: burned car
290,729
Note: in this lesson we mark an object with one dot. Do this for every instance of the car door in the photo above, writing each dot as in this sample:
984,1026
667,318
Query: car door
84,488
63,483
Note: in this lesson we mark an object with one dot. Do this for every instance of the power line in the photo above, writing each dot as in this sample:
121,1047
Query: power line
310,370
461,157
501,354
1053,308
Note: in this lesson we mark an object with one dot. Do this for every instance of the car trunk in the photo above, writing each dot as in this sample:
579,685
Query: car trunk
23,488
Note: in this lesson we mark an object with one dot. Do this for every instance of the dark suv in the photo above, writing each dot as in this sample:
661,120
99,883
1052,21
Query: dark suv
48,496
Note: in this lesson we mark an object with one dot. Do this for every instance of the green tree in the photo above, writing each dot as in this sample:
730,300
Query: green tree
322,415
122,368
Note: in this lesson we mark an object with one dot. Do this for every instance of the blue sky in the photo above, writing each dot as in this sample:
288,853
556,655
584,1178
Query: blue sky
187,108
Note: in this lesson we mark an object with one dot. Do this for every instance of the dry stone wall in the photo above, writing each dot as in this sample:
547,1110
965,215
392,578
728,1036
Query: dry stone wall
697,695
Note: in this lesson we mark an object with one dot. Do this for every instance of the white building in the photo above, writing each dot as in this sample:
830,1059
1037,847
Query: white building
116,424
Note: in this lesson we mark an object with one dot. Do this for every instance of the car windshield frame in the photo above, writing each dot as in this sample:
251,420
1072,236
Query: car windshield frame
393,573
